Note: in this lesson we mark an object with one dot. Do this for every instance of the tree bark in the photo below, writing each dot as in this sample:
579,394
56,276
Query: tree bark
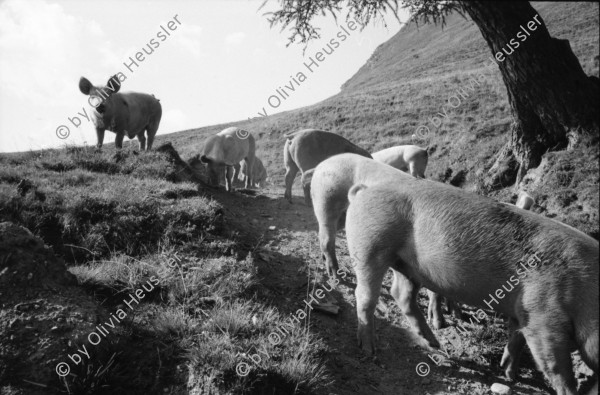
553,101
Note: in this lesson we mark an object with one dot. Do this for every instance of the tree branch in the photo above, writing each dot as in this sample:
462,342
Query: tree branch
298,15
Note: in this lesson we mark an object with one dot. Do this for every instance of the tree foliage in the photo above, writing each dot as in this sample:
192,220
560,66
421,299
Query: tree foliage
298,15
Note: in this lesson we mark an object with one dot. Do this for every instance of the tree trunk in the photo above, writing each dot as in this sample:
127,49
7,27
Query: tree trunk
553,102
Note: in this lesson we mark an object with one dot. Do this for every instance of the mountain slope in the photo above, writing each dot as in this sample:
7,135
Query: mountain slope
430,51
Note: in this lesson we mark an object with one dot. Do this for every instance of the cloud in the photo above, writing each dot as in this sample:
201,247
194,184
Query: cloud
42,48
235,38
189,38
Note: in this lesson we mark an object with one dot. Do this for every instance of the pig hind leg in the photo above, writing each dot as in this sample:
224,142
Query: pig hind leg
550,344
119,140
142,141
307,198
328,217
369,278
589,352
405,293
454,309
100,135
434,311
151,132
228,178
236,173
512,350
291,169
249,166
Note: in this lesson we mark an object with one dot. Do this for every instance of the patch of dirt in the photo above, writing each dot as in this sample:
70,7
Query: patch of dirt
47,326
42,313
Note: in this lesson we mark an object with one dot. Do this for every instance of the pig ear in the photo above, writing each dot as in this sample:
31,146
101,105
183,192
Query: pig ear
85,86
114,84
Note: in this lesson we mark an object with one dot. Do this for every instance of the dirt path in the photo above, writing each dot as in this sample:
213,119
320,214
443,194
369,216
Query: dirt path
289,262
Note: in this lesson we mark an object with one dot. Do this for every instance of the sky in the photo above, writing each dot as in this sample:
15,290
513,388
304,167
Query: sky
221,63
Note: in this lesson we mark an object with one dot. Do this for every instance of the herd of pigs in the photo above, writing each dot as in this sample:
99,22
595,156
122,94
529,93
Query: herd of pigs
459,245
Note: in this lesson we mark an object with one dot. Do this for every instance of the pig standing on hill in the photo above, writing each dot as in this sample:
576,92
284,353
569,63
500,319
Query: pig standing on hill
129,113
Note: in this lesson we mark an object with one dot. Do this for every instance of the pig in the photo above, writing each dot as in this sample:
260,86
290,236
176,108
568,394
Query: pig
126,114
470,248
305,149
225,150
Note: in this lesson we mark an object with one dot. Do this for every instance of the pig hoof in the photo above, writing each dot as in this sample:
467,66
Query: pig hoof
510,369
332,272
367,347
429,342
510,372
369,350
505,358
434,344
458,316
438,323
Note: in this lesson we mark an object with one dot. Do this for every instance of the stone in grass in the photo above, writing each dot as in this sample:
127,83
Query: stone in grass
327,308
272,228
501,389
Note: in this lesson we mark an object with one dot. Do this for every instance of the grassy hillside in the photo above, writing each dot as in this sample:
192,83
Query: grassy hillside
121,222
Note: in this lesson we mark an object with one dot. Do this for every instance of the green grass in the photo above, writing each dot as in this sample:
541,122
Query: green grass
119,221
104,205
